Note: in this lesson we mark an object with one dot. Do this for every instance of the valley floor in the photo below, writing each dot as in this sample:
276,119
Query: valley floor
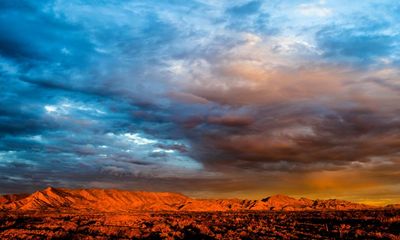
379,224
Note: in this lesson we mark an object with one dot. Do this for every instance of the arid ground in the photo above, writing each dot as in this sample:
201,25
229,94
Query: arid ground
370,224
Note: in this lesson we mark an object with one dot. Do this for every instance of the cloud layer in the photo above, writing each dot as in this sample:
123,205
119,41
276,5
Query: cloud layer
226,98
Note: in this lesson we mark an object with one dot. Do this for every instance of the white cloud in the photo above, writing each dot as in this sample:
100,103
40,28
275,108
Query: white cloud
66,106
137,139
314,10
50,108
163,150
252,39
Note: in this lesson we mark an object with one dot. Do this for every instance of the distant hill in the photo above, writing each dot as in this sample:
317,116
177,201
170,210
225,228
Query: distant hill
102,200
393,206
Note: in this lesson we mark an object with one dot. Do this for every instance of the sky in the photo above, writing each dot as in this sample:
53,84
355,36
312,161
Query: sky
209,98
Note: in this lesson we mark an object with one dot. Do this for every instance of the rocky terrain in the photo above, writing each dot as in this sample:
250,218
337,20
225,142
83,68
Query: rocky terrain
101,200
365,224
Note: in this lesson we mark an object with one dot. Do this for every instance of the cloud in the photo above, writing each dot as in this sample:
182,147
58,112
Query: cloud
314,10
50,36
230,121
249,8
153,95
351,44
249,17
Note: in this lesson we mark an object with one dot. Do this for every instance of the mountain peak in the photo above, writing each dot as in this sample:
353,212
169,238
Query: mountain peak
49,190
278,197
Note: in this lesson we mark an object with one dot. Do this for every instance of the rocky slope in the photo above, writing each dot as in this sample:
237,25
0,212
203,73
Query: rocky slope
101,200
94,199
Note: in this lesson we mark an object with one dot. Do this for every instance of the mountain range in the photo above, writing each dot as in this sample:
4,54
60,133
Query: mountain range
107,200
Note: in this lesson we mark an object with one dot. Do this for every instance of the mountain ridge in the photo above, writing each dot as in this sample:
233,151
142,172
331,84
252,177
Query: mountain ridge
112,200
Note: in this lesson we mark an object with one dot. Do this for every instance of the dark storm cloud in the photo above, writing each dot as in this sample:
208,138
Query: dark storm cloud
31,34
302,136
230,121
